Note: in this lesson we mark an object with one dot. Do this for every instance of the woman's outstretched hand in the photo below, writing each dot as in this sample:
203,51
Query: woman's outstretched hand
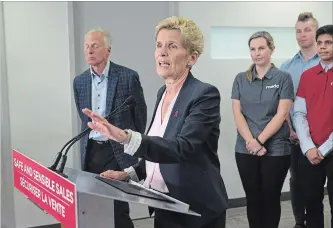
101,125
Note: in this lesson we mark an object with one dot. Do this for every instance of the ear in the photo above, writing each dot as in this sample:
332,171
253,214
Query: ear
193,58
108,54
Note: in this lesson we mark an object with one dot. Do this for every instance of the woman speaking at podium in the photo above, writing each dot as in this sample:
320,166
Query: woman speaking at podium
179,153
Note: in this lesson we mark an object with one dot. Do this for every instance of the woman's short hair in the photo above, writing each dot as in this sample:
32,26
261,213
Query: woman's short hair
193,37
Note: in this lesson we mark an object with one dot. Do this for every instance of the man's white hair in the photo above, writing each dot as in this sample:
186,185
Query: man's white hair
106,35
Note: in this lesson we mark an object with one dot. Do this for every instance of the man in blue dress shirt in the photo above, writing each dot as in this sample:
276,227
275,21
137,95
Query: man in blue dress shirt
103,88
306,58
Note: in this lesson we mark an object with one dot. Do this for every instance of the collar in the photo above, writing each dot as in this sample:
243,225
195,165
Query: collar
105,71
329,66
269,74
300,56
320,68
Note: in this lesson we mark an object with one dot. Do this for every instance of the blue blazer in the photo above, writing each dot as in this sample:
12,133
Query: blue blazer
122,82
187,153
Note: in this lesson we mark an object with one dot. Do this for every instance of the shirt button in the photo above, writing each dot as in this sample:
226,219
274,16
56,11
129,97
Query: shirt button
98,108
99,95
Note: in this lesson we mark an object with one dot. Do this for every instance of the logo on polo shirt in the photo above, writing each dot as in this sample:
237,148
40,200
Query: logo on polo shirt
272,86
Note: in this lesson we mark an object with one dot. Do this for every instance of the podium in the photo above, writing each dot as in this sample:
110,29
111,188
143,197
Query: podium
83,200
95,199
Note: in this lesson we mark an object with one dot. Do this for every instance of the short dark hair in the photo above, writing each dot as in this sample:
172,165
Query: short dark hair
303,17
326,29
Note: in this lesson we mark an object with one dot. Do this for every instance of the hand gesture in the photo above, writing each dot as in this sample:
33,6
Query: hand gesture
314,156
262,152
101,125
253,146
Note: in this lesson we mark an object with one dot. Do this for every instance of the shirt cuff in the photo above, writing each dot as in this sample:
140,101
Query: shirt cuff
132,174
307,145
133,144
327,147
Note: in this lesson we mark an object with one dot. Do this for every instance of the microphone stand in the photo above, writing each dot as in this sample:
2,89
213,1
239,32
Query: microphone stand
59,154
63,158
77,138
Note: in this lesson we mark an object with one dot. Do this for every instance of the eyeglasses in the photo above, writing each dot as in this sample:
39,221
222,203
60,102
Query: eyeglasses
326,42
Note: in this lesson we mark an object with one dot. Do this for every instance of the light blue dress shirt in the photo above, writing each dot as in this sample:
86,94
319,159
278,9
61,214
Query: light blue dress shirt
302,126
297,65
99,86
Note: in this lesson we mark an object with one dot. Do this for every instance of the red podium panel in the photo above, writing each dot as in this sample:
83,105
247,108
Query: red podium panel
51,192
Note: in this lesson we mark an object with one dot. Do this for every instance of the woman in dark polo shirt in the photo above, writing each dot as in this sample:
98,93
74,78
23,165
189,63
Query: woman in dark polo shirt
261,100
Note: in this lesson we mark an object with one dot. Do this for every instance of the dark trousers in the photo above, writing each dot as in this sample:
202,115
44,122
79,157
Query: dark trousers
262,179
169,219
100,158
295,185
312,185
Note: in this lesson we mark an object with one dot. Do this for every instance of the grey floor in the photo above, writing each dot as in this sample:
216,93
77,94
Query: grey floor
236,217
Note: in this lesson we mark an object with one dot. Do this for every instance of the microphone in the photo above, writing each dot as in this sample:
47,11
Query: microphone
53,167
128,103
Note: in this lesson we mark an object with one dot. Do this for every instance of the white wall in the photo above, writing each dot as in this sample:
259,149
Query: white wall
222,72
38,48
6,191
